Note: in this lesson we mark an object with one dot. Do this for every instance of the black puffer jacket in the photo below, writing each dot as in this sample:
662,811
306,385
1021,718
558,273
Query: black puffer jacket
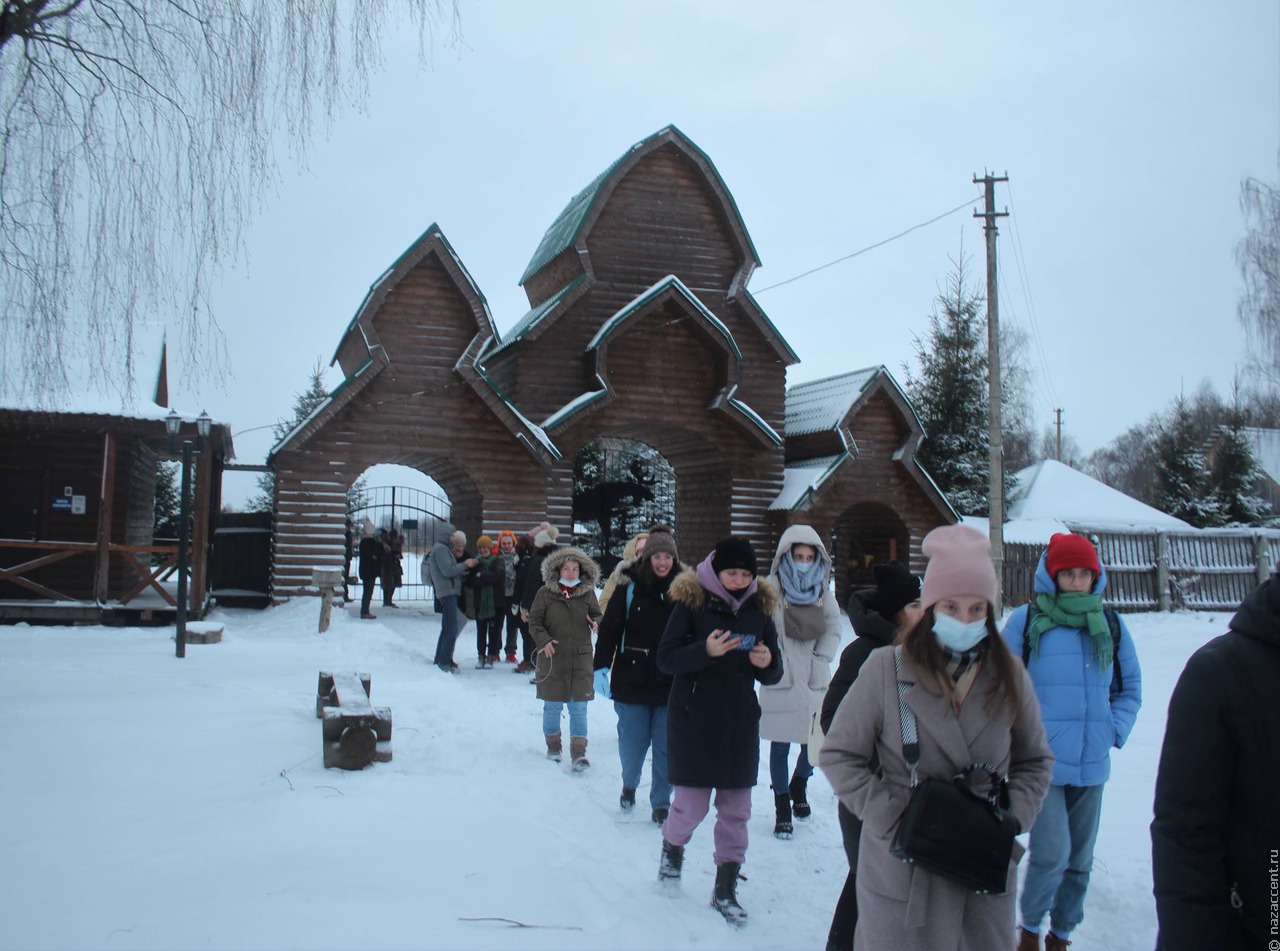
873,631
713,717
1216,820
629,639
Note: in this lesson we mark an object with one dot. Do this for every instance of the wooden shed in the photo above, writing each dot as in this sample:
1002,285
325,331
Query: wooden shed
640,326
77,501
852,472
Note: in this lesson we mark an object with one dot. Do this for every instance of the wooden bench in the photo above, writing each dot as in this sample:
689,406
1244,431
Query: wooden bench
354,732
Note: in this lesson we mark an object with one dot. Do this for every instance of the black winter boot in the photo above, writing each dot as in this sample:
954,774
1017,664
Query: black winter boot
799,802
628,799
725,897
782,827
670,863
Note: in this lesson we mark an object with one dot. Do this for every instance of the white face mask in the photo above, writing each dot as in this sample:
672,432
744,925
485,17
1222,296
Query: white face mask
957,635
571,583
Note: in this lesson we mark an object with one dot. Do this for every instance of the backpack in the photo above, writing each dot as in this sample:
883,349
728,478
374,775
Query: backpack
1113,622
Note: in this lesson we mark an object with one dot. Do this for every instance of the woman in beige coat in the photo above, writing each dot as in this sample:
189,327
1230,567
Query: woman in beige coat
973,703
808,623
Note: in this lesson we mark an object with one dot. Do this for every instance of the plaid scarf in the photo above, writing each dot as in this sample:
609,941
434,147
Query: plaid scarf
959,662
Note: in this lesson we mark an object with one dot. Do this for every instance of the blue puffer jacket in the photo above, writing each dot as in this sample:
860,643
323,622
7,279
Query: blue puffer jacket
1083,713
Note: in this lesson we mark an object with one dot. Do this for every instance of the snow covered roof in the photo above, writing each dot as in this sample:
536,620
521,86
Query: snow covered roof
87,397
1051,490
1020,531
803,478
820,405
1265,444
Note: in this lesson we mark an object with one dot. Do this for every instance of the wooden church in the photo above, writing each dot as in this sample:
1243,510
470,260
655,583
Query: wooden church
640,326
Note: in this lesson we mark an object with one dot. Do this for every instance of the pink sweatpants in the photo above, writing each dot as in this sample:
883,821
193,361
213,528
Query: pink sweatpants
689,806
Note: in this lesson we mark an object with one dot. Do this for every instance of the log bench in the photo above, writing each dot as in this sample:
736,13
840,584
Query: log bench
354,732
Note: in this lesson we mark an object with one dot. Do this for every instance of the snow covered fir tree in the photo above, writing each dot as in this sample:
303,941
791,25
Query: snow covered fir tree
949,394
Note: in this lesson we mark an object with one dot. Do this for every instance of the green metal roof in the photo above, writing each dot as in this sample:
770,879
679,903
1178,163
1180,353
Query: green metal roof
564,231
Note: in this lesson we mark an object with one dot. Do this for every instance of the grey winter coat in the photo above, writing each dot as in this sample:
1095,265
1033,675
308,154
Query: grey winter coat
440,569
902,907
788,707
567,674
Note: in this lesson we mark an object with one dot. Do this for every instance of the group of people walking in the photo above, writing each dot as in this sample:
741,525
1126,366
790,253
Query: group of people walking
704,661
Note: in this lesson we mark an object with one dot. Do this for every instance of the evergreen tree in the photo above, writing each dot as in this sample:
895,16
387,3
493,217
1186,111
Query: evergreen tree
1181,474
950,395
1235,473
304,404
165,521
620,488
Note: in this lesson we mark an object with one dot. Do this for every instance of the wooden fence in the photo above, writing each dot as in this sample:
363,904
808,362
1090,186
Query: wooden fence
1210,569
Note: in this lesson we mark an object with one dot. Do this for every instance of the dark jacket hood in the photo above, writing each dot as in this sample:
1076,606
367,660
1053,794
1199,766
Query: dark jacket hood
1259,614
866,618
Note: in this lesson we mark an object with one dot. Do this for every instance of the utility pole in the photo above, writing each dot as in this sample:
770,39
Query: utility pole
995,489
1057,413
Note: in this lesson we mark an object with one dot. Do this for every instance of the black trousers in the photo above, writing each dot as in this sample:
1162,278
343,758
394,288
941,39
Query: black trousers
845,919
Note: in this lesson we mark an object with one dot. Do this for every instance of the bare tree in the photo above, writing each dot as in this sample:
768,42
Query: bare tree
1066,450
1258,255
135,141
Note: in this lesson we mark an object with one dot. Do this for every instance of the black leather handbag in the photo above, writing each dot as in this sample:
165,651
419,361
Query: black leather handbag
948,828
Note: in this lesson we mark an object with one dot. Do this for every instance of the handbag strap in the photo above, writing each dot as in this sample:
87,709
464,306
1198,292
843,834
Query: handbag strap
911,742
906,719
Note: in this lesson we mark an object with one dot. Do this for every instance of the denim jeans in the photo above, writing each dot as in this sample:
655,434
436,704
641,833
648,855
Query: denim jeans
1060,858
448,630
778,753
689,806
552,709
640,725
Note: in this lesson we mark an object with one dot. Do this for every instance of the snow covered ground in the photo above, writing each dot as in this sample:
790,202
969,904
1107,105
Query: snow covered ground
152,802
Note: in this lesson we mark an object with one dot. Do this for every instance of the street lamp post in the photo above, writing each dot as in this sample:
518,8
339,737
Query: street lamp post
173,426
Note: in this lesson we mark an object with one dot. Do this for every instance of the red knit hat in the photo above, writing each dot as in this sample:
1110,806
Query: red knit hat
1071,551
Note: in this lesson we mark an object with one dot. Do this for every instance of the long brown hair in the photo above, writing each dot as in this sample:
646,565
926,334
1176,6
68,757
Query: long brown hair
921,645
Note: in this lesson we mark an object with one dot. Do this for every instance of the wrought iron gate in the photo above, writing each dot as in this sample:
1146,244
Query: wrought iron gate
411,511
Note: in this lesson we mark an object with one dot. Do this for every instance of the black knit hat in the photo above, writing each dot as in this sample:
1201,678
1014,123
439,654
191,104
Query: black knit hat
734,552
896,587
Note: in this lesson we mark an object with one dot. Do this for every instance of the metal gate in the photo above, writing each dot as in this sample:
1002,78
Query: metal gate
412,511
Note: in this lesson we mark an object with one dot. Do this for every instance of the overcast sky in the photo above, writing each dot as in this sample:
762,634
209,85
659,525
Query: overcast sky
1125,130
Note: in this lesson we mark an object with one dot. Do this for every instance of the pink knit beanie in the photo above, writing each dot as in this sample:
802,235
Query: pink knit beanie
959,564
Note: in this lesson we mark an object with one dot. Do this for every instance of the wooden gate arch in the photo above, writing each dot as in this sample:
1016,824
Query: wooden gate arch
641,326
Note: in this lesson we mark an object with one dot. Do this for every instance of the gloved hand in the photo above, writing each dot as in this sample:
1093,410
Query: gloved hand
602,683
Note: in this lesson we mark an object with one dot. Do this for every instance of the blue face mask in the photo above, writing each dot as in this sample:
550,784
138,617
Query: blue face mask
804,567
957,635
570,583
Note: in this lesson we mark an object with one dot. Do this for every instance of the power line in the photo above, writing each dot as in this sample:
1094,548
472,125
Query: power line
870,247
1036,335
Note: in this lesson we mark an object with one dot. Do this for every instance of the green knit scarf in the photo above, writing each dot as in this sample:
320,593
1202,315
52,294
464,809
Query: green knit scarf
1071,609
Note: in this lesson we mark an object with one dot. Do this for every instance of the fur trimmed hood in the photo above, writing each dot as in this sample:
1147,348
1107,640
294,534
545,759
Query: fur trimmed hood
687,590
588,570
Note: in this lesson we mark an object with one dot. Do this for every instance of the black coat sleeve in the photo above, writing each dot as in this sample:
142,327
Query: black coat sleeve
611,627
1189,833
851,660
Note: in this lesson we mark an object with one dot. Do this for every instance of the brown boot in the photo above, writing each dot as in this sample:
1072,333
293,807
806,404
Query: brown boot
1028,941
1053,943
578,753
553,746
